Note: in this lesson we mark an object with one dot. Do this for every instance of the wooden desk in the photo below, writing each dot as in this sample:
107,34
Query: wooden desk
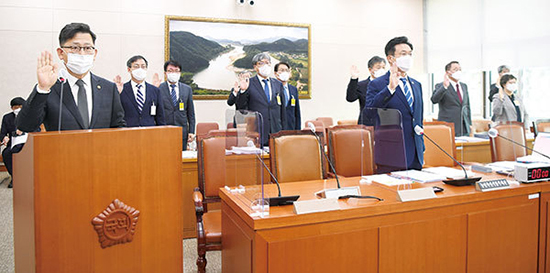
460,231
478,151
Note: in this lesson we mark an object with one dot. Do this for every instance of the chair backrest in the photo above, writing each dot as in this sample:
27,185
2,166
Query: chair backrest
204,127
504,150
347,122
327,121
296,156
480,125
541,125
319,128
345,152
211,166
442,133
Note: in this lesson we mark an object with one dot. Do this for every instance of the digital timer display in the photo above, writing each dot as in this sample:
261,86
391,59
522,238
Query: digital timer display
538,173
532,172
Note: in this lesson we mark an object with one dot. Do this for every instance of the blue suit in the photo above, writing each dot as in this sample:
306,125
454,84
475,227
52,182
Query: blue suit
183,113
379,96
293,117
131,111
273,112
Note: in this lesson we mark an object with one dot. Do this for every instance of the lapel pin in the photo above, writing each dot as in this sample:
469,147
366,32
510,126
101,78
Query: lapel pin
98,86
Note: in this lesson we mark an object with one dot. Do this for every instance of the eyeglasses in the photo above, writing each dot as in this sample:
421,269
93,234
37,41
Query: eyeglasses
77,49
173,71
260,63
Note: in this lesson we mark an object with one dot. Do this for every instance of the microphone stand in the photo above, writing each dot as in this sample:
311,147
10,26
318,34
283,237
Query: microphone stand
521,145
63,80
279,200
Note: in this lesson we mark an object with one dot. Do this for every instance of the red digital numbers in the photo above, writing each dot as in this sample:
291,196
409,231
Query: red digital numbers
539,173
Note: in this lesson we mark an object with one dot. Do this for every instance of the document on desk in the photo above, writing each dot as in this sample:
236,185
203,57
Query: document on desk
502,165
385,179
469,139
245,150
447,172
419,176
188,154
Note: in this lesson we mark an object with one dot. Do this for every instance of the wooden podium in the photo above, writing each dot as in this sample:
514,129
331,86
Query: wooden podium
104,200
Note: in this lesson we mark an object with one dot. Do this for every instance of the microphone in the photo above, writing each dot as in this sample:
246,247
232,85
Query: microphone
348,192
493,133
63,75
279,200
456,182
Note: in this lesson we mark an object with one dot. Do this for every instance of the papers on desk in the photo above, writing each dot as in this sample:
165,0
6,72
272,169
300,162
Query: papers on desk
469,139
448,172
188,154
245,150
385,180
534,158
502,165
419,176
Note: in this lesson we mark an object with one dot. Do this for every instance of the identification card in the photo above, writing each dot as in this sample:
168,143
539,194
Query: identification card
278,100
153,110
182,106
293,102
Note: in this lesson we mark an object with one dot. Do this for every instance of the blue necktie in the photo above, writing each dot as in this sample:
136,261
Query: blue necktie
140,101
287,95
408,94
266,90
173,94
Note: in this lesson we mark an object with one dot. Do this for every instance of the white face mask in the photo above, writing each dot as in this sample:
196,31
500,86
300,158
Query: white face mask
457,75
379,73
139,74
512,87
265,70
16,111
173,77
404,62
284,76
79,64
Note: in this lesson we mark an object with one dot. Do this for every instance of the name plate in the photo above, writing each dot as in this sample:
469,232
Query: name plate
416,194
335,193
317,205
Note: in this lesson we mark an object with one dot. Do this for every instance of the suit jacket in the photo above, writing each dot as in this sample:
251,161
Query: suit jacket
273,113
232,99
174,116
450,108
357,90
8,125
293,116
379,96
39,108
131,111
504,110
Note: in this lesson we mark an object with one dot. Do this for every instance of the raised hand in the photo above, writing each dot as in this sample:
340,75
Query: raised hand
119,84
394,77
354,71
156,80
446,82
46,71
243,81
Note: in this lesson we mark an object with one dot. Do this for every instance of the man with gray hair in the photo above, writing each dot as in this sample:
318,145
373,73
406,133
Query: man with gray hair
503,69
264,95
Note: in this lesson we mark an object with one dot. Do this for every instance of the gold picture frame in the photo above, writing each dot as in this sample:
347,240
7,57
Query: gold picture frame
212,51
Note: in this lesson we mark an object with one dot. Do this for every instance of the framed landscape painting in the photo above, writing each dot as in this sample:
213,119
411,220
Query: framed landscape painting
213,52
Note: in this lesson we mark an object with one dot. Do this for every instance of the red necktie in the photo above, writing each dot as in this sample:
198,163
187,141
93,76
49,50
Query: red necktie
459,95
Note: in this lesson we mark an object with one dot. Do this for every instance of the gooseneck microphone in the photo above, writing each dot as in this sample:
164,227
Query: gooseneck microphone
493,133
63,74
456,182
279,200
312,128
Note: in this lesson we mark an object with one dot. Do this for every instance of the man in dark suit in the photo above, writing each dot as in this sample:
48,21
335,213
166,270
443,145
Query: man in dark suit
292,101
453,99
177,99
8,131
89,101
264,95
141,101
357,90
396,90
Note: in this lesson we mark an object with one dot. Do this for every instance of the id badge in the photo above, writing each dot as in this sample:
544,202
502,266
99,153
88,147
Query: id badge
278,100
292,101
153,109
182,106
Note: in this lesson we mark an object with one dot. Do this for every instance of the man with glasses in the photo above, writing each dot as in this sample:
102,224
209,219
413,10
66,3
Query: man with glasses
264,95
141,101
177,99
292,102
89,101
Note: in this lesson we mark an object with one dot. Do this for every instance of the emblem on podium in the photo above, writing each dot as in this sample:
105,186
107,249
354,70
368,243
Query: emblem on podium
116,224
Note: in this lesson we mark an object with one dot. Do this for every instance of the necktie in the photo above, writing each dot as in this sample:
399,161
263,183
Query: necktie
458,92
266,90
83,104
173,94
287,95
407,91
140,101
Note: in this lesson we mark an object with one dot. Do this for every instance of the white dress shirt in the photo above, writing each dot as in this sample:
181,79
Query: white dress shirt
268,86
176,88
143,92
87,79
453,84
403,87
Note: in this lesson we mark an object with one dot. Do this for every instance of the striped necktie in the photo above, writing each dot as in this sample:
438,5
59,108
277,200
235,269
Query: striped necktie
173,94
140,101
407,91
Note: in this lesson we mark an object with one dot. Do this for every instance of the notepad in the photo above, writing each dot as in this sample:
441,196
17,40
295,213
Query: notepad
385,179
419,176
448,172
